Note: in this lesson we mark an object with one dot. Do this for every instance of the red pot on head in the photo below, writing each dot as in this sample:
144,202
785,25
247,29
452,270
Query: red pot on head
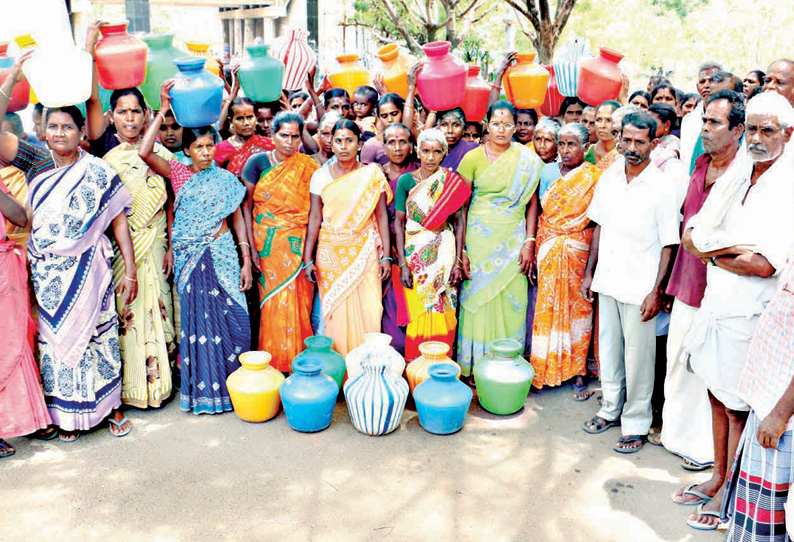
20,97
120,58
475,98
442,81
551,105
600,78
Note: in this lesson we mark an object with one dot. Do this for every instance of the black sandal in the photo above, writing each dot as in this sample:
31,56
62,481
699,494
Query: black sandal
599,425
627,440
6,450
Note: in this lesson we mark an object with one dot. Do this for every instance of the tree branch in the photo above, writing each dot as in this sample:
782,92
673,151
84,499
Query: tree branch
528,11
466,11
532,37
544,10
564,10
400,25
412,14
480,17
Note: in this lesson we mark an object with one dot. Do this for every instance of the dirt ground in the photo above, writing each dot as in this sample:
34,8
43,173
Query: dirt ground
533,476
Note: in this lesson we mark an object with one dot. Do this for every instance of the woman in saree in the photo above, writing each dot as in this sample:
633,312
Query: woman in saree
430,230
233,153
147,337
563,322
276,210
75,198
603,153
207,273
500,238
400,152
349,225
22,407
389,111
451,123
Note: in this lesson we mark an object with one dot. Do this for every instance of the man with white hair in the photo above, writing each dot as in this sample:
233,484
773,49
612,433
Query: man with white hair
746,232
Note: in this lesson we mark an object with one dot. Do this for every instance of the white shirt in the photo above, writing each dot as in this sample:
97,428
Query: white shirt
690,131
765,223
637,220
320,179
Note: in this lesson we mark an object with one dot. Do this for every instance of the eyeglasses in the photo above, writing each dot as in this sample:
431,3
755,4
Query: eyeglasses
499,125
173,126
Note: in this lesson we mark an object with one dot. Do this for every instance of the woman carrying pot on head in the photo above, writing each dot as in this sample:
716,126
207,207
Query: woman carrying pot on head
147,336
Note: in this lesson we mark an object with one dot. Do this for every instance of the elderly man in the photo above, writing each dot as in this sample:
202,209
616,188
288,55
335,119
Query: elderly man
636,227
746,232
686,429
690,126
780,78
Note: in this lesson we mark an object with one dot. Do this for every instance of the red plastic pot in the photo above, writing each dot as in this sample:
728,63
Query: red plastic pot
120,58
442,81
551,105
475,99
600,78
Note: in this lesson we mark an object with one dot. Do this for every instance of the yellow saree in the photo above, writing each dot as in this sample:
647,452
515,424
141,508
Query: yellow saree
348,251
146,333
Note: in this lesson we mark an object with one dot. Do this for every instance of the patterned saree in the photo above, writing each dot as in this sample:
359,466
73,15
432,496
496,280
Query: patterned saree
215,326
494,302
146,330
430,251
70,259
563,321
348,252
280,216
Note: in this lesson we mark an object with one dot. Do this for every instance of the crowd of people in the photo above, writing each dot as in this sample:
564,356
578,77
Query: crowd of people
647,242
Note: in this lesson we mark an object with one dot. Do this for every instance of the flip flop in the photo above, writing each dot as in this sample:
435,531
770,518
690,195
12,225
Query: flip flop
75,433
6,450
46,434
119,424
655,439
577,393
599,428
689,465
688,490
631,438
701,527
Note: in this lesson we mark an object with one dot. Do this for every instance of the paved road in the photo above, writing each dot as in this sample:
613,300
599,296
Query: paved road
533,476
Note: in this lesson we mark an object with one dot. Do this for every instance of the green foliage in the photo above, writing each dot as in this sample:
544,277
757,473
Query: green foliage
682,8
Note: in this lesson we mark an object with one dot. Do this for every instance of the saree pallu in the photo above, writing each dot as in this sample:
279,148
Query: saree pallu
22,407
494,302
280,216
236,158
146,330
215,327
395,313
430,250
563,322
70,262
348,251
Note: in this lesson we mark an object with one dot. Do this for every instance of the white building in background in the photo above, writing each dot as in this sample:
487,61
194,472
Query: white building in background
230,25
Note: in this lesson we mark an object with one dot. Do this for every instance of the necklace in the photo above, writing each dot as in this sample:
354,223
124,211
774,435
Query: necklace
488,154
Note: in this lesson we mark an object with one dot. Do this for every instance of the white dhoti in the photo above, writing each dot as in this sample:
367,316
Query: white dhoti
686,416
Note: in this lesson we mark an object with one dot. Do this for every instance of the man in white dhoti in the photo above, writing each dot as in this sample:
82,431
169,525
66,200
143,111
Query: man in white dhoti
746,232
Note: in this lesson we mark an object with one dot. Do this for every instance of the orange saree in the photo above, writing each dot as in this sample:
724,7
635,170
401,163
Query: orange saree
348,252
563,318
281,214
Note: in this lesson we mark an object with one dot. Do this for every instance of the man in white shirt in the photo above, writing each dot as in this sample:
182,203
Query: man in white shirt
746,231
693,122
634,208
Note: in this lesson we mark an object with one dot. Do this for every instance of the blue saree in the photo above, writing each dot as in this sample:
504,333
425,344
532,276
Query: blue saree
215,326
